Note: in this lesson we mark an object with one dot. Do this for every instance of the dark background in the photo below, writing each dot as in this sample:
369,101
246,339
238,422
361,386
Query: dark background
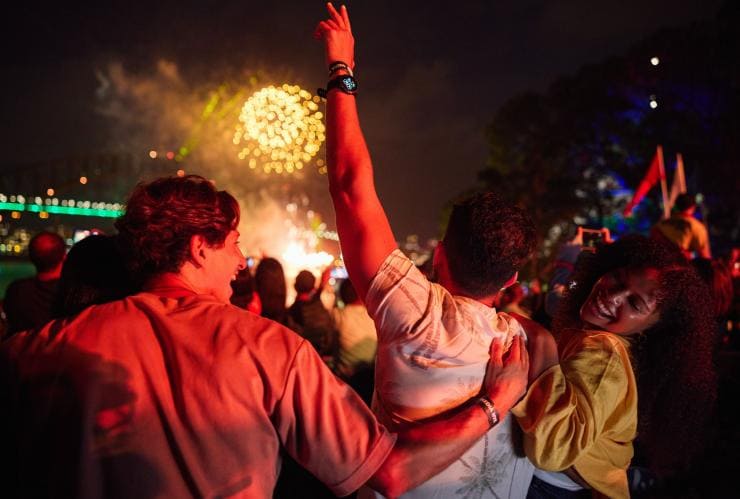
432,74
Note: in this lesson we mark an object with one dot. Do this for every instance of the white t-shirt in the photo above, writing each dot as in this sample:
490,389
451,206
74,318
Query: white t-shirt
433,349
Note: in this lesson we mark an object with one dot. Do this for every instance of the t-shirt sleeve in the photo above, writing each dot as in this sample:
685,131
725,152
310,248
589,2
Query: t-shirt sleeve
327,428
398,297
566,408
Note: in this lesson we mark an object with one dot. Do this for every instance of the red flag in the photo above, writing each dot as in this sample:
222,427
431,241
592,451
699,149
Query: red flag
655,173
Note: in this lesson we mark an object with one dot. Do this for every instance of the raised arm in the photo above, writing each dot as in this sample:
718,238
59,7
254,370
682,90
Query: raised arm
364,231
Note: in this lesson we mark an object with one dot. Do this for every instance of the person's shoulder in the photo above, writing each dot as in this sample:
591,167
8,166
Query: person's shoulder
19,285
395,264
399,276
266,338
32,340
590,339
249,324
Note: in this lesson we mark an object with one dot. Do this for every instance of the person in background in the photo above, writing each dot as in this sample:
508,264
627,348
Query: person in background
635,323
357,338
269,279
28,302
245,295
568,254
682,229
94,272
511,299
315,322
433,338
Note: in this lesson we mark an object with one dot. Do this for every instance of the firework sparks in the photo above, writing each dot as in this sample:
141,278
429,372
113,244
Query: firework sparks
280,129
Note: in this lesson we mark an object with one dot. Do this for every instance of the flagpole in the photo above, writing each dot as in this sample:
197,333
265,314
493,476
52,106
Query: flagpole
680,173
663,183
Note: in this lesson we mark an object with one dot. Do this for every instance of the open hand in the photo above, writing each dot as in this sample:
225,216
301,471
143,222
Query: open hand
336,32
506,375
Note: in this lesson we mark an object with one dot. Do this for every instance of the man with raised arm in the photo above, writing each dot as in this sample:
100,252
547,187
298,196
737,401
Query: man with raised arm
433,339
174,392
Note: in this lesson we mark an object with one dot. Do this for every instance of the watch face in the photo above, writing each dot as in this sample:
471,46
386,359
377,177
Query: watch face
349,84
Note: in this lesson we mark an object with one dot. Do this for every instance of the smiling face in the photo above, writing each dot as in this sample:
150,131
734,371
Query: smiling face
223,263
623,301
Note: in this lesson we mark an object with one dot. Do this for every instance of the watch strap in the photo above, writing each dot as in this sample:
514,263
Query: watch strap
344,83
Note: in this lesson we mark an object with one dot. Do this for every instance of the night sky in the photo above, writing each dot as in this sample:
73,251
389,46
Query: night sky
431,74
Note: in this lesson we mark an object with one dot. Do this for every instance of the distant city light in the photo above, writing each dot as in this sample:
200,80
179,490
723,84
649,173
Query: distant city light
49,191
170,155
83,180
653,103
654,61
180,173
54,206
153,154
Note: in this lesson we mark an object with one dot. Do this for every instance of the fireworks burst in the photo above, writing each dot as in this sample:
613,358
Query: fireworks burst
280,129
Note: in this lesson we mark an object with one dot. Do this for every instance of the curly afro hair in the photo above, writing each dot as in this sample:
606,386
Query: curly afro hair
163,215
673,360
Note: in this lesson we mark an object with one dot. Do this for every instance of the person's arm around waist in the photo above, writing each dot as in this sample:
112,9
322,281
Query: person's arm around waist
425,449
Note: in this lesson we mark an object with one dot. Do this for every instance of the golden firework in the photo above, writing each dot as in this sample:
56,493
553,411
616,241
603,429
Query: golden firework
280,129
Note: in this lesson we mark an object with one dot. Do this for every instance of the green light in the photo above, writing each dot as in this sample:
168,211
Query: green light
13,206
62,210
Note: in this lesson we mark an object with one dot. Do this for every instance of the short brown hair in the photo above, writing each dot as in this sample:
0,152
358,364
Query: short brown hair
163,215
487,240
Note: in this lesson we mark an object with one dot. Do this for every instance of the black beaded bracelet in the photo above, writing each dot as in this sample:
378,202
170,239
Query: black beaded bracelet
338,65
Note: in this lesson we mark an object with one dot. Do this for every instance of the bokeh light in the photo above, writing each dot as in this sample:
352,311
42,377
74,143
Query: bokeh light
280,129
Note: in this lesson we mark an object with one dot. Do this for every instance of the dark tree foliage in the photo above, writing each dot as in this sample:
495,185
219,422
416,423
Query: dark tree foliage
563,154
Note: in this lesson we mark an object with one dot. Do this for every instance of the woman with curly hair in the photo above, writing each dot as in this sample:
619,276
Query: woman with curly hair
636,319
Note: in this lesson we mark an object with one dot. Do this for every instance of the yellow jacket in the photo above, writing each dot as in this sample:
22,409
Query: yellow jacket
582,413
